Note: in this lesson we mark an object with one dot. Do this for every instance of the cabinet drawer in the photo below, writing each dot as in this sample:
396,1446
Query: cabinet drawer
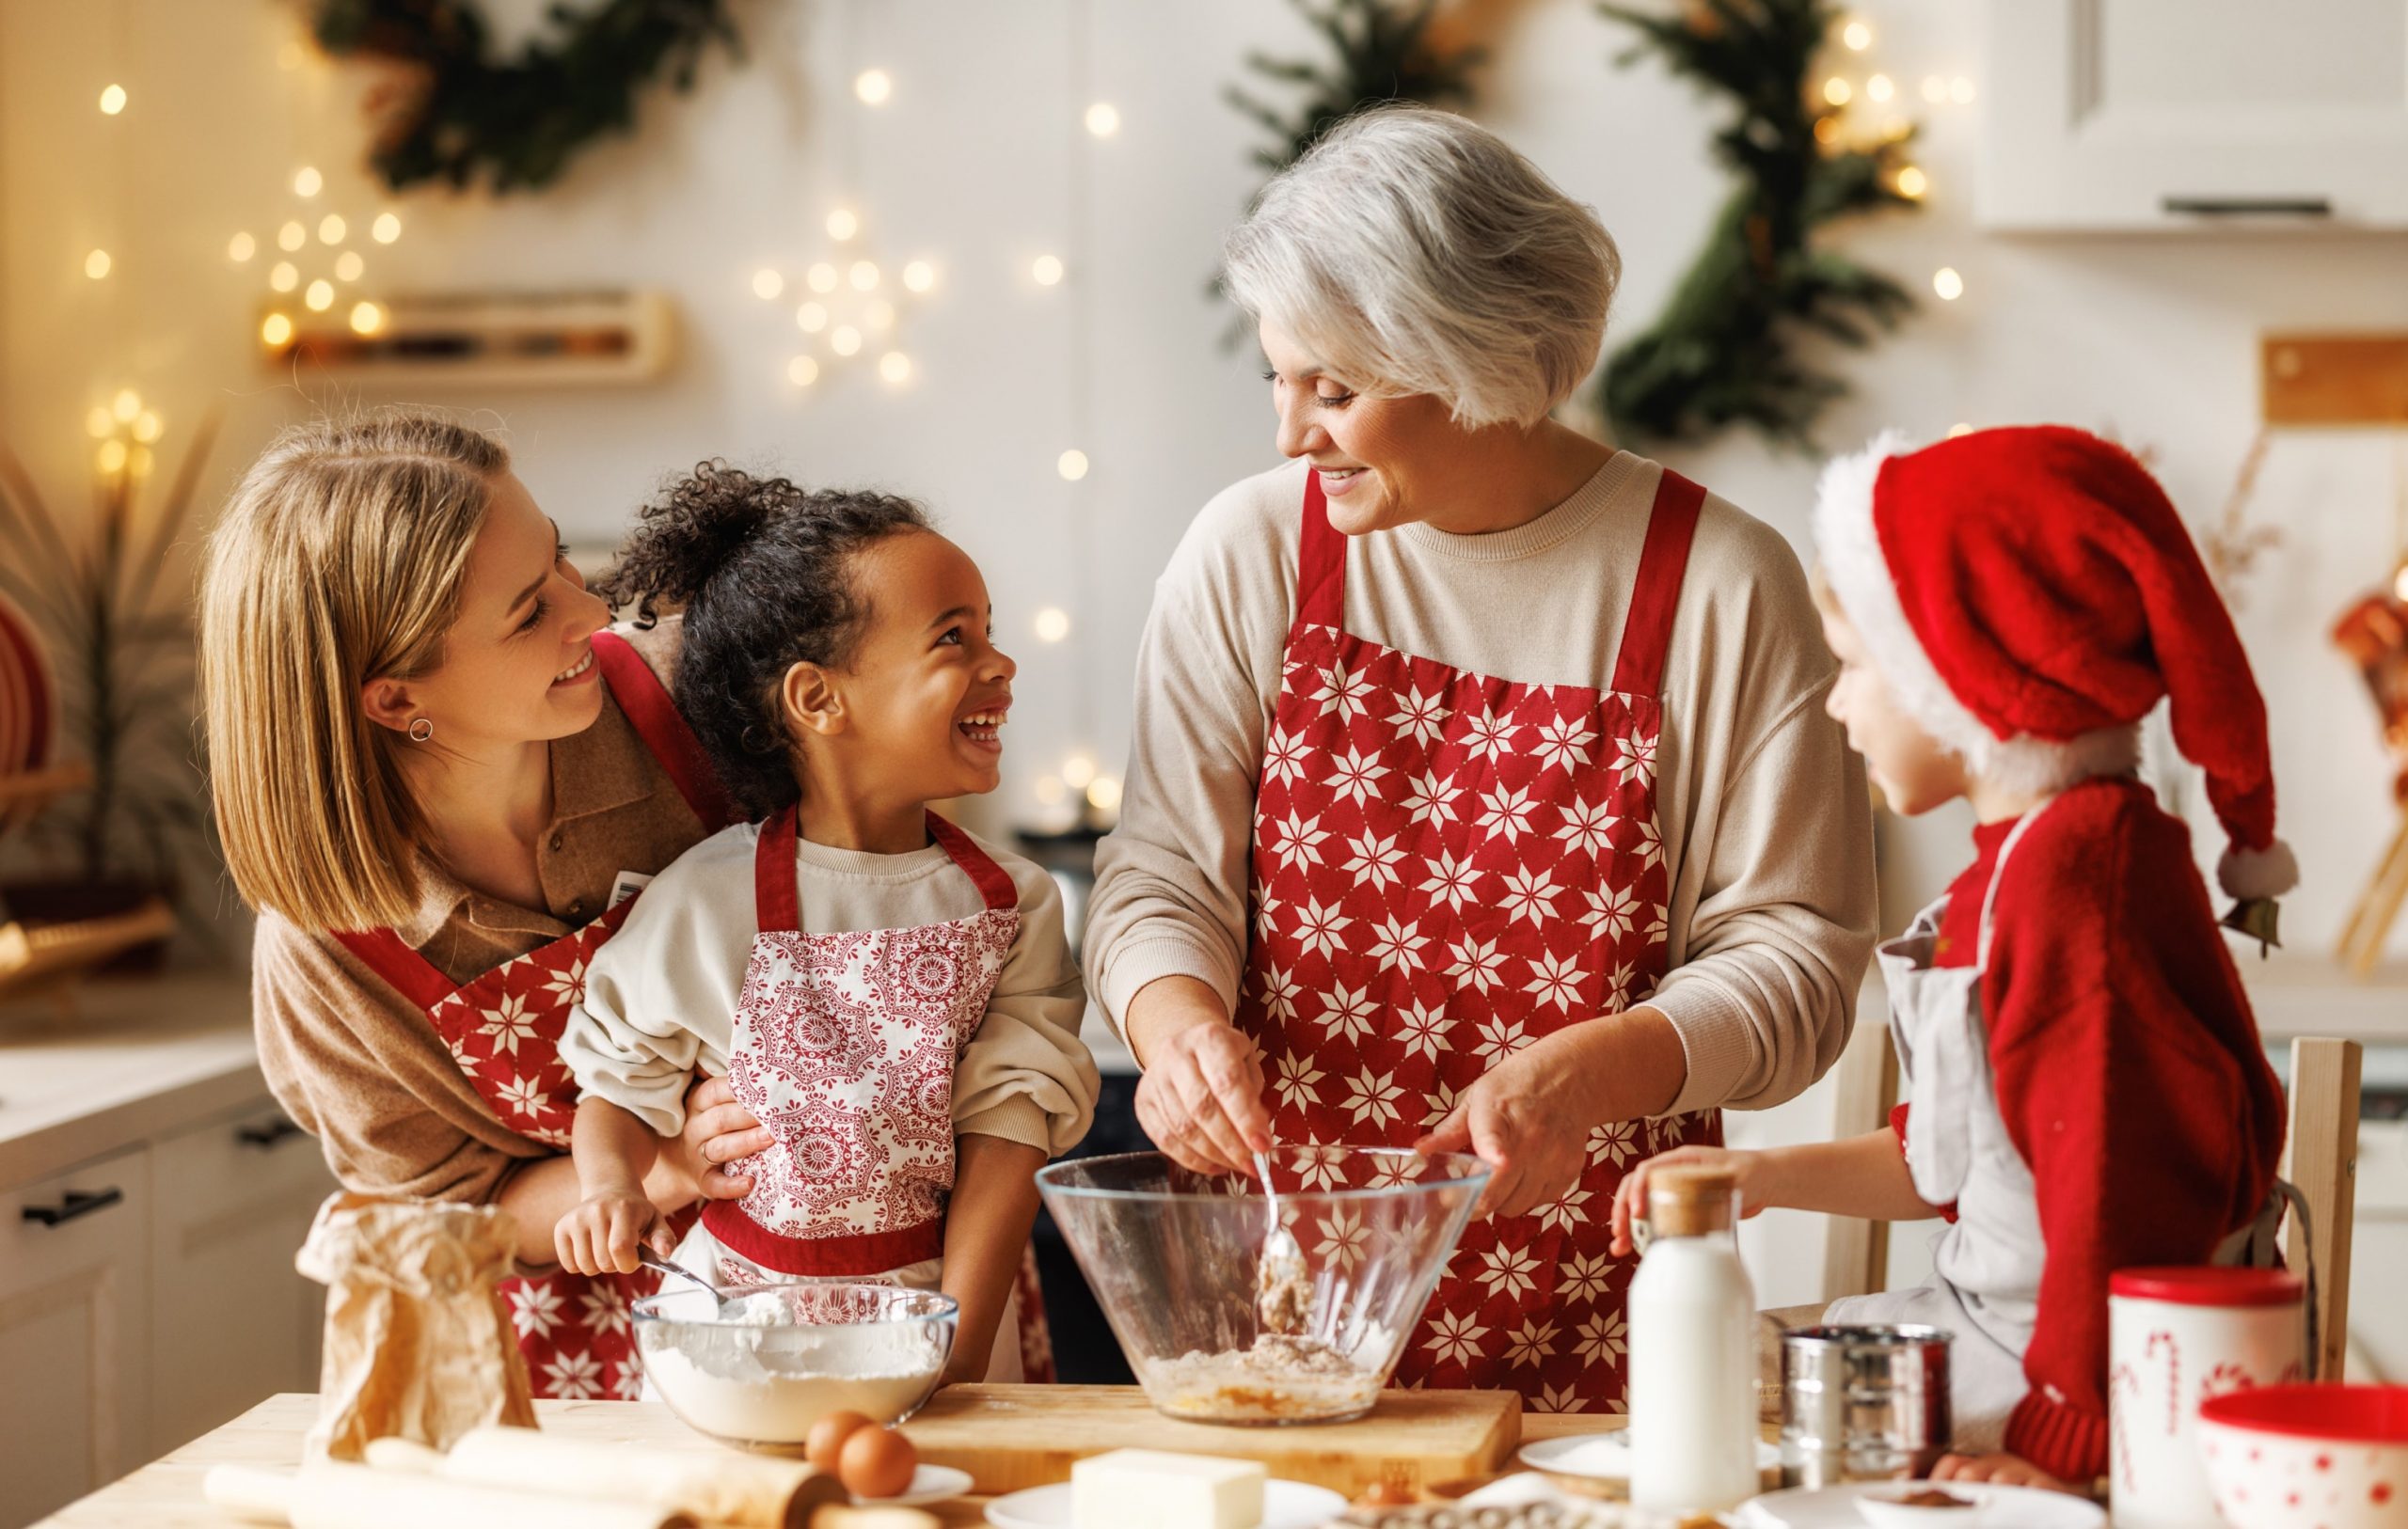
74,1324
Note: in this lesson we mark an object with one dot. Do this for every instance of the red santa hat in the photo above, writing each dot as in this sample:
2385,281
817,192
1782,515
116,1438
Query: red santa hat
2030,594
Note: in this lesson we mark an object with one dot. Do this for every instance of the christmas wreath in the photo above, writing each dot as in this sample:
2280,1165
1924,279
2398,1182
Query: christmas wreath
1725,350
457,114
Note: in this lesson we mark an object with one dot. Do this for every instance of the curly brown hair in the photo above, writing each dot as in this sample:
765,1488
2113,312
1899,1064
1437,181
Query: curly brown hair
763,568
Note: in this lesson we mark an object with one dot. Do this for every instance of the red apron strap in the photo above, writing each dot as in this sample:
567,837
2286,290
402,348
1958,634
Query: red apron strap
1647,631
409,973
777,900
663,730
1321,563
994,883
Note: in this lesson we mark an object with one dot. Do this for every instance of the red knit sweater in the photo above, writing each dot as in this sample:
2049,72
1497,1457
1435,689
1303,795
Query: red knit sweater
2128,1072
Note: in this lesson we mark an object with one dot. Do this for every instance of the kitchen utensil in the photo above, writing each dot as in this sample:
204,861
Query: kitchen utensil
1010,1437
1286,1504
653,1260
2297,1455
1862,1403
1605,1458
751,1490
1280,1275
1844,1508
1169,1255
757,1366
2177,1337
330,1494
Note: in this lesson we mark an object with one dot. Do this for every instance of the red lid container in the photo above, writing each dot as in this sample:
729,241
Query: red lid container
2343,1414
2199,1286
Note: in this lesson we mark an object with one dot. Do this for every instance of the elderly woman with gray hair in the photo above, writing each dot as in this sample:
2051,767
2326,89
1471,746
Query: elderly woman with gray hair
1482,796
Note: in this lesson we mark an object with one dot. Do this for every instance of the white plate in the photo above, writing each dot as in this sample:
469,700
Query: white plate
1606,1457
1999,1508
929,1483
1286,1504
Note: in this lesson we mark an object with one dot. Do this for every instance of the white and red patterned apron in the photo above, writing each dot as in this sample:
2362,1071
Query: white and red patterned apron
504,1027
1447,867
845,1046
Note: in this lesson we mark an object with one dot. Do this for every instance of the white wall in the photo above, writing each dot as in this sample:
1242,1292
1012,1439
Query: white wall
979,163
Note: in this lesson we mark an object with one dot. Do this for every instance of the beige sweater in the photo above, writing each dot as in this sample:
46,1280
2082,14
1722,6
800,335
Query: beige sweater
1766,821
660,995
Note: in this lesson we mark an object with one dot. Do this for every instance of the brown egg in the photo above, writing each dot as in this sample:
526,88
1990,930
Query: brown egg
825,1442
876,1462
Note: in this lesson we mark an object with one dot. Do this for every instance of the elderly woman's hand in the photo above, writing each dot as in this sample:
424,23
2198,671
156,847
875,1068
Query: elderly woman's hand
1202,1096
719,1132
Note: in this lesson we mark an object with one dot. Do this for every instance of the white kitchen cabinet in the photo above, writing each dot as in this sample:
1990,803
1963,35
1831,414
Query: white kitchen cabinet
74,1321
2194,114
232,1321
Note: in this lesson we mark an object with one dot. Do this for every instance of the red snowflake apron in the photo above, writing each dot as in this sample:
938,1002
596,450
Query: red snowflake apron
504,1027
845,1046
1447,867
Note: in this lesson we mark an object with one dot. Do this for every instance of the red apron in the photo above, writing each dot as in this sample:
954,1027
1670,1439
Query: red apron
1447,867
504,1028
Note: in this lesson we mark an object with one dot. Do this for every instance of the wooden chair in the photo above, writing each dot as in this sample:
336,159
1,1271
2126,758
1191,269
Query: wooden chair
2320,1157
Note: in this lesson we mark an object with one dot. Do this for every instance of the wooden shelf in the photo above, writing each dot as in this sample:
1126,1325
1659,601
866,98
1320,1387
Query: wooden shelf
46,955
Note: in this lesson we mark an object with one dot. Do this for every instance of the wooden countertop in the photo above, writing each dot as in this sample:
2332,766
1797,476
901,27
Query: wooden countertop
166,1494
133,1059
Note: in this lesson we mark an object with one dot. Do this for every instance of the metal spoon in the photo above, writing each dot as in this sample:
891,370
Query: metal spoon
653,1260
1282,1301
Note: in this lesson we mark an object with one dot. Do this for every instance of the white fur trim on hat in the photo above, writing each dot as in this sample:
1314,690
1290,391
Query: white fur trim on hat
2248,874
1850,549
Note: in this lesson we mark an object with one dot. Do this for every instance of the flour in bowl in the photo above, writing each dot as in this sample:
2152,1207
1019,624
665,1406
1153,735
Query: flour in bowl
761,1380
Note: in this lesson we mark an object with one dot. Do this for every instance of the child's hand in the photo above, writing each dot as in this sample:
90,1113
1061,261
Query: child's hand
602,1234
1748,1169
1999,1470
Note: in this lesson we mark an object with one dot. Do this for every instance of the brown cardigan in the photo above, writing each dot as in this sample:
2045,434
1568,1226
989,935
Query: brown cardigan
359,1065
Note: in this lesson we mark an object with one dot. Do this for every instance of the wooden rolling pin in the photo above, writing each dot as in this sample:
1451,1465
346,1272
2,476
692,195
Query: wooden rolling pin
330,1494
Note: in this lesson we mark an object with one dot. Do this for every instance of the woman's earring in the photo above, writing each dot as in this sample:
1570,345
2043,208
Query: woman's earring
421,729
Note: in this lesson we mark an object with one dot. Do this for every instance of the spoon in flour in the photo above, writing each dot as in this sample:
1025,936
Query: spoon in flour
1283,1292
653,1260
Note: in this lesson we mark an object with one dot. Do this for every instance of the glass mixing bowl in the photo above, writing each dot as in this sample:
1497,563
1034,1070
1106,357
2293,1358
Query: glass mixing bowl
760,1365
1174,1256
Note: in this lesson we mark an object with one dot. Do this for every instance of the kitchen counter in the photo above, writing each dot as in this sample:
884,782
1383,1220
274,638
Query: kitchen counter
166,1494
132,1059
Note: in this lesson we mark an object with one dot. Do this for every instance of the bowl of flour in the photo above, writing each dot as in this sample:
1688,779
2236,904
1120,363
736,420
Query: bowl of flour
758,1365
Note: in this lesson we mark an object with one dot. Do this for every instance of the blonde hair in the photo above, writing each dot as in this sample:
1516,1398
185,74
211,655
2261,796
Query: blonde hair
1414,252
339,560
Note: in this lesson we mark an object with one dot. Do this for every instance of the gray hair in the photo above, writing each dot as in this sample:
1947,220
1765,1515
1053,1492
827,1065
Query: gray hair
1412,251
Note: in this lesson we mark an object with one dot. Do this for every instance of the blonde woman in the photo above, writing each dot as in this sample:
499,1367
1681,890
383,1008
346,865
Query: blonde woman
436,776
1481,795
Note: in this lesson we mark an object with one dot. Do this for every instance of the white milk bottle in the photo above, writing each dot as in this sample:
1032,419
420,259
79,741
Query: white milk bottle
1692,1397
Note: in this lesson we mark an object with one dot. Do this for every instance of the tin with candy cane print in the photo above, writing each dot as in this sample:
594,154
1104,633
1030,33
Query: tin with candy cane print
2176,1337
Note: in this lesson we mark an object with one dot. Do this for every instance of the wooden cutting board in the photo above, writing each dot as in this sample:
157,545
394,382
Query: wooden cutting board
1012,1436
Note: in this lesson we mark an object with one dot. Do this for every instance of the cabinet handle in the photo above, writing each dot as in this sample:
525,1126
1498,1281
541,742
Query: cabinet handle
76,1203
265,1135
2248,206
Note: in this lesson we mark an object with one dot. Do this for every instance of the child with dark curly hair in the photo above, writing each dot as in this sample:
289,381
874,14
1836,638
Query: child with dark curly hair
890,997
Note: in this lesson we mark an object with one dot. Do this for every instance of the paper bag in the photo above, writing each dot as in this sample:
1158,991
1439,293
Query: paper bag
418,1344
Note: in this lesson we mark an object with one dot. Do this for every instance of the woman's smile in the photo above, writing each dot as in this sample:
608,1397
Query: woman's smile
580,673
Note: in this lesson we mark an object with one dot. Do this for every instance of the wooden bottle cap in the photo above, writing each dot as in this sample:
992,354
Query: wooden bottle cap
1690,1202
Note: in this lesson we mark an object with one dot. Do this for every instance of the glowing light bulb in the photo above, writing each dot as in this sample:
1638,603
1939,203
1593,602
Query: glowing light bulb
1104,119
810,317
1071,465
802,371
1959,429
1047,269
96,264
125,405
1103,794
1077,772
843,224
307,181
240,247
1948,284
100,423
275,329
291,237
387,227
139,462
285,277
2400,585
148,427
767,284
1912,182
1857,37
1052,625
332,229
349,266
112,100
1838,91
822,277
1880,88
1960,90
111,456
874,87
895,367
919,275
865,275
846,340
366,318
321,296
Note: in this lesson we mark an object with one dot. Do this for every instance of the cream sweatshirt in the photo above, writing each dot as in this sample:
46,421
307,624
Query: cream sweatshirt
1765,821
660,996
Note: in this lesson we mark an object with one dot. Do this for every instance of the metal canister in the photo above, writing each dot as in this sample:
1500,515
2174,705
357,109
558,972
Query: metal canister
1862,1403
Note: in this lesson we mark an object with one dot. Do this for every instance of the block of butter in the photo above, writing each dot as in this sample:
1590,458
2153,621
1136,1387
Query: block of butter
1150,1488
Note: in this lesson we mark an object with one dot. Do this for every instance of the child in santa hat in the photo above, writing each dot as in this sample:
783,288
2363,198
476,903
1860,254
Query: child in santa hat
2089,1088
